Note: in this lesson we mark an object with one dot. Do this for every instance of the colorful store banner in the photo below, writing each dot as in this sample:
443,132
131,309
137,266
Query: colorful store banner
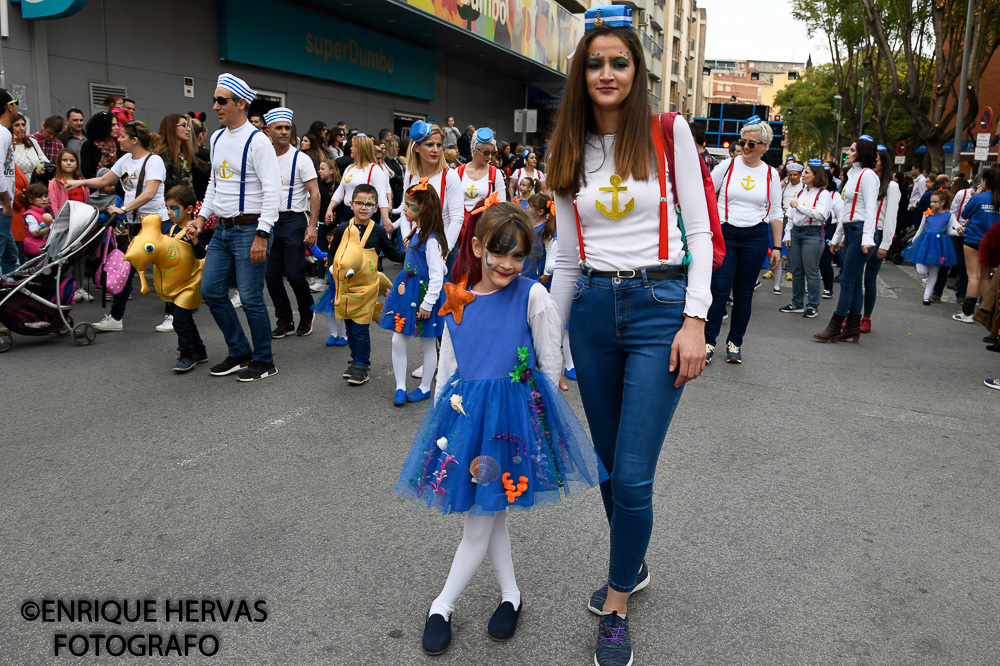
305,42
538,29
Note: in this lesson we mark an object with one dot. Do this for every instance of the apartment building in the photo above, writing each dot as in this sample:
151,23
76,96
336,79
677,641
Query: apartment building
748,81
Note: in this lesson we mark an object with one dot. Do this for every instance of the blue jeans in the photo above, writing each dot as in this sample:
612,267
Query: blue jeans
359,341
621,331
287,258
746,249
807,248
851,278
189,344
227,253
8,248
872,267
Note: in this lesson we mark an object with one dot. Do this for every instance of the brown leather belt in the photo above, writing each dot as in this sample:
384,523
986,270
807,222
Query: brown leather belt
250,218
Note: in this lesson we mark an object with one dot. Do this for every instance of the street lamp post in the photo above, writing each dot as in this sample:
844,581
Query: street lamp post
836,147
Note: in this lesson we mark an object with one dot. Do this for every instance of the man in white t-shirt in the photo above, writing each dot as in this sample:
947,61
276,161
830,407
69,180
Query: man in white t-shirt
293,232
8,248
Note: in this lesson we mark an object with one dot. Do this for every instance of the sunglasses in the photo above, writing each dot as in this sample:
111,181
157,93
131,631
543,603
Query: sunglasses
221,101
368,205
750,144
488,153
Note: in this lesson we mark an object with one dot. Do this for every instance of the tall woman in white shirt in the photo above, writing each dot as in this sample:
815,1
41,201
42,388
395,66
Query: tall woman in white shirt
425,159
364,170
888,206
750,208
804,237
856,232
636,311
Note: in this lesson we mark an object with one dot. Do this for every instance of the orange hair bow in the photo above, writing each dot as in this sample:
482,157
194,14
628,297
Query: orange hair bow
421,186
494,198
551,205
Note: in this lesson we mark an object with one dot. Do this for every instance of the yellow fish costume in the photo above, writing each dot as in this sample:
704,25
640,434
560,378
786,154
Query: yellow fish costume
176,270
356,279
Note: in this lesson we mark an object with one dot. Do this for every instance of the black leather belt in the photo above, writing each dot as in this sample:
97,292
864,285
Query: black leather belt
672,273
239,220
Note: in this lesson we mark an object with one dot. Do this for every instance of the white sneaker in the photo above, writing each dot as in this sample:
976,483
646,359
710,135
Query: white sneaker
109,323
236,301
167,326
964,318
418,373
82,296
316,285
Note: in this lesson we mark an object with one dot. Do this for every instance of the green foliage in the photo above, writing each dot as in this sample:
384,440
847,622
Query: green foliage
810,99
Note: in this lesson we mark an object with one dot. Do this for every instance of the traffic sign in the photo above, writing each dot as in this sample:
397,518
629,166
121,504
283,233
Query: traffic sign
986,119
901,148
983,140
900,159
982,154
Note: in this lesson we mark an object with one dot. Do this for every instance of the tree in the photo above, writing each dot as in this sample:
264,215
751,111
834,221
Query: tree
808,99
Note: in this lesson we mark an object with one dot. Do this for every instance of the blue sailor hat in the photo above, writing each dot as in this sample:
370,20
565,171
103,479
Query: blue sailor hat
420,131
237,86
485,135
882,148
752,120
359,134
790,158
525,152
614,16
794,166
276,114
865,137
815,162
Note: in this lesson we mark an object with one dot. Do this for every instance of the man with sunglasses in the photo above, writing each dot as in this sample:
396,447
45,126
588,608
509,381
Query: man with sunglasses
479,178
243,192
8,248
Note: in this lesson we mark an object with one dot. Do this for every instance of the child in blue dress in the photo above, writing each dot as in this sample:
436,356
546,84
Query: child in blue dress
410,308
324,306
539,264
931,248
499,433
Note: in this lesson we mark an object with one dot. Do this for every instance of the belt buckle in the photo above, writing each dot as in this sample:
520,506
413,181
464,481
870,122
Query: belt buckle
621,274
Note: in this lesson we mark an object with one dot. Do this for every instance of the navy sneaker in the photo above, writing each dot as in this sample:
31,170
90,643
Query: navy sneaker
350,370
709,353
993,383
811,312
614,645
185,364
437,634
733,354
359,375
503,624
598,598
792,308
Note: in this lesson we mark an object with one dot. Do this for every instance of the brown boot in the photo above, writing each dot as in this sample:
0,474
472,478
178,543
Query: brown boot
832,331
853,330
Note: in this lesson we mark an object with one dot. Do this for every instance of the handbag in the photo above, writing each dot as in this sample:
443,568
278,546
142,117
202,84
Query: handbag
113,272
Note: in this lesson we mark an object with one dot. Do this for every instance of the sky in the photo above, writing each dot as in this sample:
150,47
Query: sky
777,37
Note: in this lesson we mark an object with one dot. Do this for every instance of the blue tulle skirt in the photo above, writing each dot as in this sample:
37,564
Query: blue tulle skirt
931,249
515,447
325,304
400,310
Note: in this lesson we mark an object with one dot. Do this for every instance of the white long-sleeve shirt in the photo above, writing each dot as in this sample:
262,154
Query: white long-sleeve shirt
958,203
888,213
474,190
862,184
262,178
353,176
919,187
546,337
452,208
633,240
813,209
305,171
745,198
435,272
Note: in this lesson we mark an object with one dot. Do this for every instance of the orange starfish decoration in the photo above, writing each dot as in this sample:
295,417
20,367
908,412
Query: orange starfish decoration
457,298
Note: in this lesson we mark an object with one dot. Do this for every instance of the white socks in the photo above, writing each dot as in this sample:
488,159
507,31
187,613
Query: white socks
932,273
336,326
429,347
567,354
481,535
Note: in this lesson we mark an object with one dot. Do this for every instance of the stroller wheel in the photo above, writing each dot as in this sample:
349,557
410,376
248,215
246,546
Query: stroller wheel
84,334
6,340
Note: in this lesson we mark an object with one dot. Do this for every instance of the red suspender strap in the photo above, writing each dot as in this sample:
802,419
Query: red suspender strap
816,200
492,177
579,231
662,159
370,169
878,214
444,174
729,177
768,194
854,204
461,171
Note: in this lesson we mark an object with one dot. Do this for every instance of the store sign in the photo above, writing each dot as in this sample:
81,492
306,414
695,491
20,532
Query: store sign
304,42
49,9
538,29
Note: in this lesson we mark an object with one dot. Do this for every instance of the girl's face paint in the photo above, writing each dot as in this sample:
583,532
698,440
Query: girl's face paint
610,72
499,268
411,209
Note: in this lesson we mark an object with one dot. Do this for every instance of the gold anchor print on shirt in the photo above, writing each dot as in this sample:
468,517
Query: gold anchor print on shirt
472,192
225,171
748,183
615,213
349,177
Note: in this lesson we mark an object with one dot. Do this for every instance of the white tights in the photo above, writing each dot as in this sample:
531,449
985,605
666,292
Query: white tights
931,272
481,535
336,327
429,347
566,352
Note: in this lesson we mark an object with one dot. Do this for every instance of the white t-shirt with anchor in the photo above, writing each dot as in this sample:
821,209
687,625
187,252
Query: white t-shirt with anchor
744,190
474,190
263,180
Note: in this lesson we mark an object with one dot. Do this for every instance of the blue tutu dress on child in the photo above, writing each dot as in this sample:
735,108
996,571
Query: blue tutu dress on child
534,263
324,305
400,310
932,247
501,435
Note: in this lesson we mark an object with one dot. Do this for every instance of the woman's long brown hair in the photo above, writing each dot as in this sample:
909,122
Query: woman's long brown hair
171,144
633,143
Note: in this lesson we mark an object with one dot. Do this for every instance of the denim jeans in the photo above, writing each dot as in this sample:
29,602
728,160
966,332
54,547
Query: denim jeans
621,332
804,256
287,258
746,249
359,341
189,344
8,248
872,266
851,278
227,253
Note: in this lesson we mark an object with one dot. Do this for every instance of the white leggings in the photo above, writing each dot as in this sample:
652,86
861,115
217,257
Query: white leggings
429,347
481,535
931,272
567,354
336,326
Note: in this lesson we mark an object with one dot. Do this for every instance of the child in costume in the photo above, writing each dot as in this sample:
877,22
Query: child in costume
37,223
931,248
499,434
524,190
357,281
539,264
410,308
324,306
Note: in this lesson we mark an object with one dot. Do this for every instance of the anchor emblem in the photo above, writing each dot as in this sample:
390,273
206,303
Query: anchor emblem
615,213
225,171
748,183
472,192
349,177
598,21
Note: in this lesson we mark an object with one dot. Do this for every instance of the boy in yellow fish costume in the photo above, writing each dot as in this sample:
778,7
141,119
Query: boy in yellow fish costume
356,279
177,267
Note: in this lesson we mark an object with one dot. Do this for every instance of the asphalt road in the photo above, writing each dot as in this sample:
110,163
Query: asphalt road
818,504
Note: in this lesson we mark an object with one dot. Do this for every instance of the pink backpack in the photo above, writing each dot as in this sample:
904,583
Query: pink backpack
114,271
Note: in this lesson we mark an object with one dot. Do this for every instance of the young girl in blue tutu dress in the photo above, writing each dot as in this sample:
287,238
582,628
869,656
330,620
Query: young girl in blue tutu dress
411,307
499,434
931,248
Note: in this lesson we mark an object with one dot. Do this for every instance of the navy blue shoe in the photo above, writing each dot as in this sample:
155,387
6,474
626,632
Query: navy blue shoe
503,624
598,598
437,635
399,398
416,395
571,374
614,645
185,364
733,354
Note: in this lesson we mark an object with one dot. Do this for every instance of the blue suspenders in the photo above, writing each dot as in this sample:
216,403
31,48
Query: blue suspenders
243,166
291,181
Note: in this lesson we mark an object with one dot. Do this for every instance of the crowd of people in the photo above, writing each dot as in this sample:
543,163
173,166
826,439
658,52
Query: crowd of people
487,232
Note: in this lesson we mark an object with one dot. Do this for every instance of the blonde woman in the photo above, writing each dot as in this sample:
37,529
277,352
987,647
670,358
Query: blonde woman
364,170
425,159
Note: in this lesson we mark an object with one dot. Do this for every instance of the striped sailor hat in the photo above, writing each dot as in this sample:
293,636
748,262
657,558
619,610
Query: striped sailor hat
237,86
276,114
794,166
815,162
881,148
865,137
420,131
613,16
752,120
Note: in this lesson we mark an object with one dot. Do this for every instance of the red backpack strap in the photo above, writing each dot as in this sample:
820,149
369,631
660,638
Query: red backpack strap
493,176
662,128
461,171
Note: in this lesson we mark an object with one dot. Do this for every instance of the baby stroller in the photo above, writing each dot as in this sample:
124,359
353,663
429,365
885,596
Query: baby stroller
35,299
